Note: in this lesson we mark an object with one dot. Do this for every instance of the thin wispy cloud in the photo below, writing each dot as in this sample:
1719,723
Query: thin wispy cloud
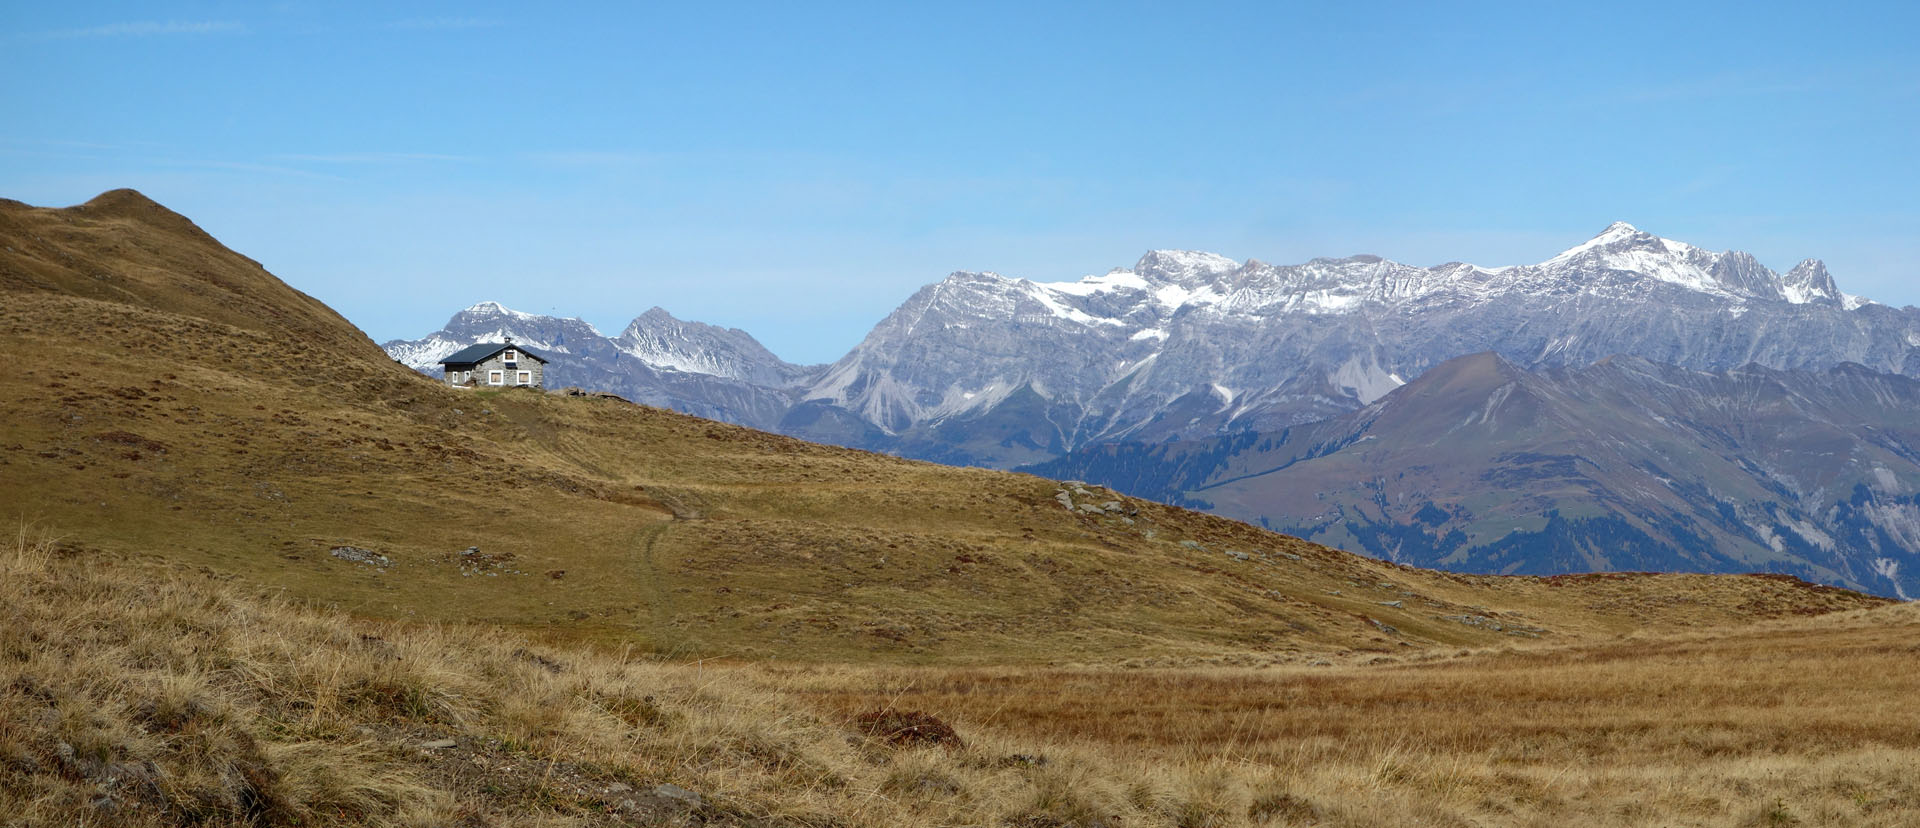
151,28
445,23
41,143
594,158
1720,86
249,167
374,158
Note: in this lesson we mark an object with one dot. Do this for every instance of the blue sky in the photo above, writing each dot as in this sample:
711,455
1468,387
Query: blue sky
799,169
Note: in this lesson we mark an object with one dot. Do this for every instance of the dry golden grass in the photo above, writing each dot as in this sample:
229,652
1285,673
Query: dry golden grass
130,695
1794,722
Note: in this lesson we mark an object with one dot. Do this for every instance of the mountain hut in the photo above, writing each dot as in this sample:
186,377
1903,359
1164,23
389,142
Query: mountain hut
496,365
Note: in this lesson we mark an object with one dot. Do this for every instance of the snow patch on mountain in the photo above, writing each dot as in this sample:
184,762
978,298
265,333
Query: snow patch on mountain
1046,296
1889,569
1112,281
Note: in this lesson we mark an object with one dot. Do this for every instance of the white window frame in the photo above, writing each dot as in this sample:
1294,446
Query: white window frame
510,357
496,378
523,378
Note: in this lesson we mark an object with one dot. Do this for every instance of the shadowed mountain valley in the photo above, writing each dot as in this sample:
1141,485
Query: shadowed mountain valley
1625,464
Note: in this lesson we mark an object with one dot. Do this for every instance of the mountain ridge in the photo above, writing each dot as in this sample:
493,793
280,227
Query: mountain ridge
1187,343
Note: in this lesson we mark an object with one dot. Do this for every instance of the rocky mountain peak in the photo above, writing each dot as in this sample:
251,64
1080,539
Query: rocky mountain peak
1619,237
492,310
663,341
658,321
1809,281
1732,275
1183,267
494,319
971,280
653,315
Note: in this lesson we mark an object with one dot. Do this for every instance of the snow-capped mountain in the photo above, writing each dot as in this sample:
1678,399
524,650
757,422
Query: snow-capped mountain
984,369
701,369
490,322
1185,344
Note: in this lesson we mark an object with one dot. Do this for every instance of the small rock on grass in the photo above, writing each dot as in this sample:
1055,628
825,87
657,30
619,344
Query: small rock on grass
674,792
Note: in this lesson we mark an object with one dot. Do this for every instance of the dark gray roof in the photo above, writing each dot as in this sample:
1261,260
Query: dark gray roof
475,354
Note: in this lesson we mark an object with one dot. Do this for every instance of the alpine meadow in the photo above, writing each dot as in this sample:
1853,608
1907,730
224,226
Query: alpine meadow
989,415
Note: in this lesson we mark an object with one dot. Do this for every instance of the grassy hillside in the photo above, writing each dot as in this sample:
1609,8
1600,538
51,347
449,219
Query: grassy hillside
133,694
178,400
130,696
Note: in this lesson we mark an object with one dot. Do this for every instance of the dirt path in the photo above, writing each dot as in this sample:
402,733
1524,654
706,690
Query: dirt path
646,544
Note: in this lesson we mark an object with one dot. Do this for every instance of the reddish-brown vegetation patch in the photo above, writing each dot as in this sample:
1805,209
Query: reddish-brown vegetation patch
907,728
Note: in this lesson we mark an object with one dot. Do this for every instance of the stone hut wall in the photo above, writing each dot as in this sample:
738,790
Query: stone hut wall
509,373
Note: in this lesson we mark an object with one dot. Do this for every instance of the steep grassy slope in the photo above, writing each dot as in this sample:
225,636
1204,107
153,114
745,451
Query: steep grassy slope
174,398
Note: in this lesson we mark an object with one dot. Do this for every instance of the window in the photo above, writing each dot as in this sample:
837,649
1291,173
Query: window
496,378
510,357
524,378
